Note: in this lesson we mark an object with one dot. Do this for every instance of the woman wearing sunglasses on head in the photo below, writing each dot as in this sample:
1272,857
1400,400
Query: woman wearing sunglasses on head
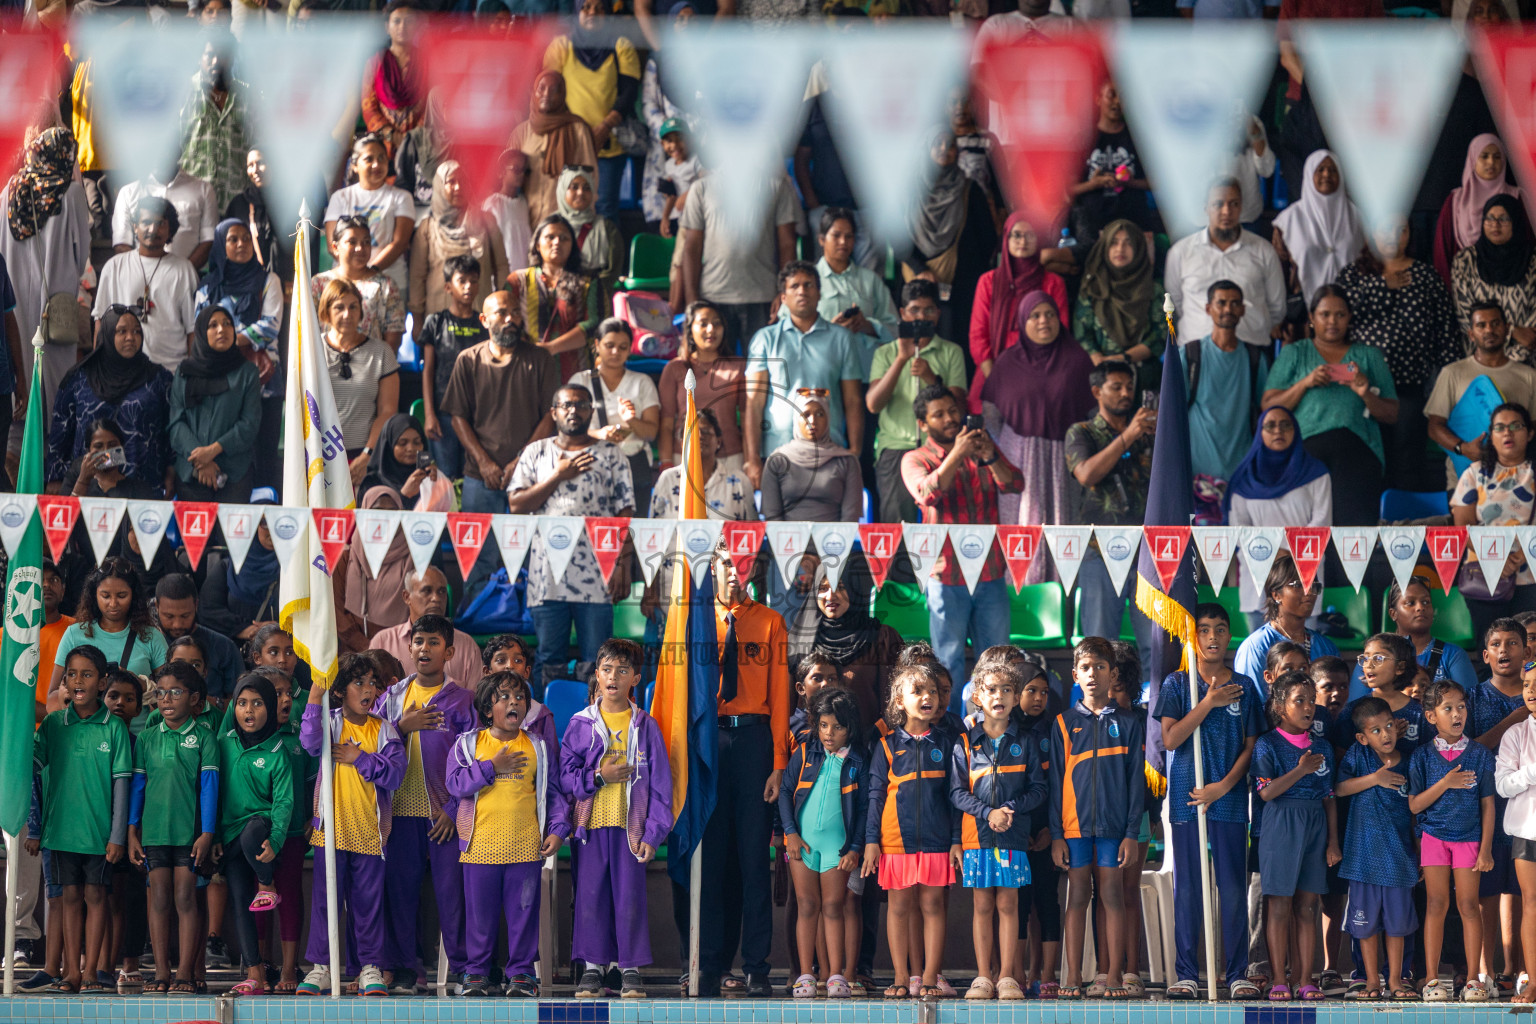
365,376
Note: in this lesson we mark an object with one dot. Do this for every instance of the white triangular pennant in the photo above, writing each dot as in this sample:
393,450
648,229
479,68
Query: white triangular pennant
697,540
652,539
1188,94
1353,545
787,543
287,527
1382,91
1257,547
1216,545
747,86
375,530
833,543
422,532
1525,536
101,517
560,535
141,74
300,85
1490,545
148,519
972,544
1068,545
1401,545
1118,546
514,536
238,525
16,511
924,542
888,88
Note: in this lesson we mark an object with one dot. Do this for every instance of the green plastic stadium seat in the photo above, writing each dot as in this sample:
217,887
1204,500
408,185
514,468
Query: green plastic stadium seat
903,607
650,264
1127,633
628,619
1354,606
419,412
1231,600
1037,616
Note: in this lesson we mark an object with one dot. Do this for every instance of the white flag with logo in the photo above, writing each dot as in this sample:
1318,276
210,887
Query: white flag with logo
787,542
288,527
833,543
141,75
1188,93
1525,536
101,517
888,91
1216,545
1257,547
1354,545
1068,545
514,535
148,520
924,542
747,85
1382,90
302,101
375,531
697,540
652,538
560,535
1118,546
1491,546
238,525
423,531
16,511
1401,545
972,544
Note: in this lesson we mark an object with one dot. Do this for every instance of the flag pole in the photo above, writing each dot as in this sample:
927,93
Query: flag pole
328,810
1206,900
12,877
696,861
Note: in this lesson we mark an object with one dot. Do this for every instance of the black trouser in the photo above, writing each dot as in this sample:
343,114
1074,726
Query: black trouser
742,320
896,502
242,872
1356,474
737,904
1406,444
269,450
128,881
237,491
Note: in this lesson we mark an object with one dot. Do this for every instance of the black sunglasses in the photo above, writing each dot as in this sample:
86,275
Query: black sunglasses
345,371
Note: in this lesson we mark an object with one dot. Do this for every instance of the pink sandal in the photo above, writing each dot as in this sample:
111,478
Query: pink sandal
264,901
248,988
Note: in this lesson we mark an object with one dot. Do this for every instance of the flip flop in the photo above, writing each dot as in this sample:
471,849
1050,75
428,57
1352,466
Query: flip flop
264,900
1310,994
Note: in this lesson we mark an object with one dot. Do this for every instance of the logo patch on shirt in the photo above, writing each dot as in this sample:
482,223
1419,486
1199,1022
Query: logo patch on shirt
1235,710
936,755
105,747
190,742
1114,729
260,762
1016,750
1317,726
1413,730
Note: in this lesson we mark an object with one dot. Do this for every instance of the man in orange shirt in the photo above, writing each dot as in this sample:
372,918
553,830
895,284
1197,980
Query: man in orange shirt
753,752
54,625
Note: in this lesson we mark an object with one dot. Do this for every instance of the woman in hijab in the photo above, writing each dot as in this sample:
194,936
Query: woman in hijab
1039,388
1499,267
366,601
553,138
1321,234
117,381
250,208
597,237
602,69
452,229
954,229
838,624
394,462
811,479
994,314
1119,312
1461,217
238,602
46,244
215,414
246,290
1278,483
392,92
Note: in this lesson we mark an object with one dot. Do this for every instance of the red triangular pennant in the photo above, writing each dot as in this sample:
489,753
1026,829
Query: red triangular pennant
333,528
59,513
1044,90
1506,65
467,531
1446,546
1166,545
29,62
1019,545
1308,544
606,535
743,540
195,521
879,541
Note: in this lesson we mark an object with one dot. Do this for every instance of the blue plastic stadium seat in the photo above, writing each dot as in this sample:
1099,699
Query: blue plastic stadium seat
564,697
1398,505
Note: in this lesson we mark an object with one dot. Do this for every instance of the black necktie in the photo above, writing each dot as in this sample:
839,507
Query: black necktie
728,670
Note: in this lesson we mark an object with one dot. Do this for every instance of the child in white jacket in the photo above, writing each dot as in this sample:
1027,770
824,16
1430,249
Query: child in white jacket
1515,778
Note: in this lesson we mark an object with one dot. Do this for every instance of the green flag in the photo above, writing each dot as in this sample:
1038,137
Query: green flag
23,624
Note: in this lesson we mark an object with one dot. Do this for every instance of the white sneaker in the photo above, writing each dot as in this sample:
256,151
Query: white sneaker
370,982
316,982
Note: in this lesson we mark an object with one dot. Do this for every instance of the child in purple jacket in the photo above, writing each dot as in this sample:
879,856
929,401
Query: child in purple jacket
511,816
368,762
615,771
430,711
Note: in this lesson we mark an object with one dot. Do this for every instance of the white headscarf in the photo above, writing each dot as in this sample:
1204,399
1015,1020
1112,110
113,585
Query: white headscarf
1323,233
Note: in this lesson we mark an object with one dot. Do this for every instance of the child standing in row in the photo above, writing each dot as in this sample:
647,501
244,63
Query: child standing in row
1037,712
1515,777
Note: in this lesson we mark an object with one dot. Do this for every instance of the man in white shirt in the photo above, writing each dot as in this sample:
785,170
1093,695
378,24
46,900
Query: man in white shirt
158,282
1224,251
196,211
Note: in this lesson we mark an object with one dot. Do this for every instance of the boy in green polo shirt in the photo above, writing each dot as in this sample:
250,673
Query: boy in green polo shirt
85,749
173,814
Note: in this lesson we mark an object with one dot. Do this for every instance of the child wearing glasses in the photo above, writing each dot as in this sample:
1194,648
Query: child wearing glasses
1387,666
